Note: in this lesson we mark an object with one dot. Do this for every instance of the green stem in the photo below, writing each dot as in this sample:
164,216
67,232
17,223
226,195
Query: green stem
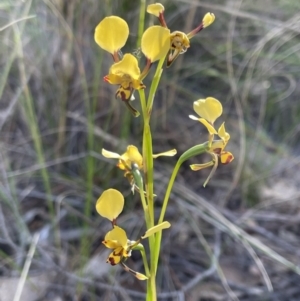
146,266
193,151
141,21
154,84
148,171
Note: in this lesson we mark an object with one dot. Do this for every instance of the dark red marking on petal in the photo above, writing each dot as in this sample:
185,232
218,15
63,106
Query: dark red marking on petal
217,151
111,261
229,159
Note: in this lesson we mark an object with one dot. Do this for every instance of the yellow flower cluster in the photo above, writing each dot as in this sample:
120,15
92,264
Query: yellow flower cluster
111,35
109,205
179,41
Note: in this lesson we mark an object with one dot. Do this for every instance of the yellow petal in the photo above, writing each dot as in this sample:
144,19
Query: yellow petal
117,234
157,228
209,127
155,42
208,19
127,66
226,157
140,276
115,256
111,34
113,79
155,9
110,204
111,244
169,153
196,167
209,108
132,155
110,155
223,134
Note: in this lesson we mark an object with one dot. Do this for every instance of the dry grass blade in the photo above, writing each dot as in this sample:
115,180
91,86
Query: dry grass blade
200,204
26,267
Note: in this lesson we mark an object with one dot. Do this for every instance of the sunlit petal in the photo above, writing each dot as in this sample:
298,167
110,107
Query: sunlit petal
196,167
127,66
111,244
157,228
223,134
134,156
155,9
113,79
110,155
155,42
208,19
110,204
169,153
209,127
117,234
140,276
115,256
226,157
111,34
209,108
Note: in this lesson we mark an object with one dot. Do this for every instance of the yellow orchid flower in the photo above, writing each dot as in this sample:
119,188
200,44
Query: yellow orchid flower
110,204
126,73
111,35
179,41
126,160
117,240
217,152
209,109
133,156
132,160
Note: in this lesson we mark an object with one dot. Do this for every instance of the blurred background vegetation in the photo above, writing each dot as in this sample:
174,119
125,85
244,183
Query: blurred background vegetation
237,238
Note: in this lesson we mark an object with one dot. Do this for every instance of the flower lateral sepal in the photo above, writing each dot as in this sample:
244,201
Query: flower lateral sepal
137,275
